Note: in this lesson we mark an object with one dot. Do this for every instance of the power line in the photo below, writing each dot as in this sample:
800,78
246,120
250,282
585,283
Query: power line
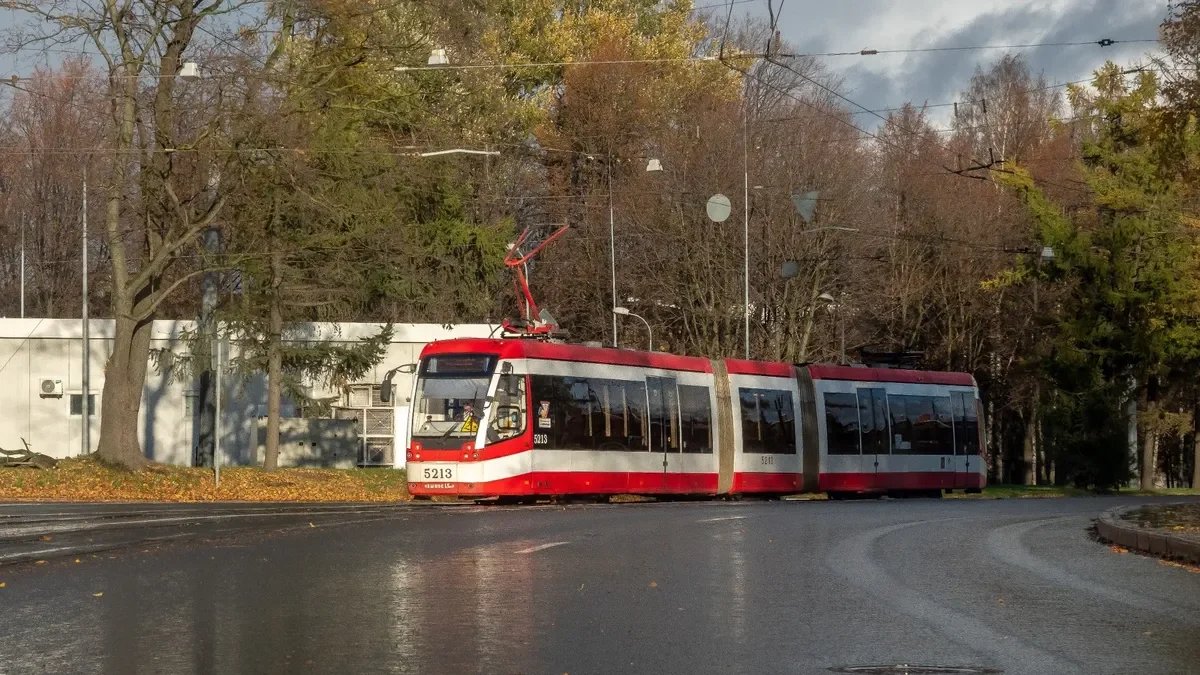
722,4
1103,42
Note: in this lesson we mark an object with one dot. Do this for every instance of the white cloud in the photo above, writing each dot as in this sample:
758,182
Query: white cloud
887,80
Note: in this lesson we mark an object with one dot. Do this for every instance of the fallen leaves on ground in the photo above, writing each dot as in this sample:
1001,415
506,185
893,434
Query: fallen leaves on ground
1184,518
88,479
1194,569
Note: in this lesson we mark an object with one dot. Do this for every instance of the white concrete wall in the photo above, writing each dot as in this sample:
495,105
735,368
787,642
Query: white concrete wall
33,349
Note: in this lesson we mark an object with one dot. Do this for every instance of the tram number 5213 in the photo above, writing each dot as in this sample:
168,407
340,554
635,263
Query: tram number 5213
437,473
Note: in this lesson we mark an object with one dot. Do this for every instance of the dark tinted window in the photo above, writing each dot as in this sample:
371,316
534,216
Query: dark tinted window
458,364
696,417
921,425
841,424
580,413
768,421
77,404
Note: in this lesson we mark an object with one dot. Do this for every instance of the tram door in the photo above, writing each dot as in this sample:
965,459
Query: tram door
873,427
966,436
664,423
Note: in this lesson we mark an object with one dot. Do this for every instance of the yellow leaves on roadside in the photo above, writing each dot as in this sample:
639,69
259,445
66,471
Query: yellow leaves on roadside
85,479
1194,569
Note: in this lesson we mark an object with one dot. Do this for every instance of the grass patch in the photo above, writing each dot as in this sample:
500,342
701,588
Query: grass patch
87,479
1056,491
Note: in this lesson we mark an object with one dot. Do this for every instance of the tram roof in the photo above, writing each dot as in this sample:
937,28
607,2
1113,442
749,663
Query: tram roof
860,374
560,351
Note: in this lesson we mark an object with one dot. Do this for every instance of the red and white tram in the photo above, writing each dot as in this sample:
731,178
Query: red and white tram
528,418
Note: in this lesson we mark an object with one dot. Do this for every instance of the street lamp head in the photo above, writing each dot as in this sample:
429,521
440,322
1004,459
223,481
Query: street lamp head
623,311
189,71
1047,253
437,57
654,165
825,297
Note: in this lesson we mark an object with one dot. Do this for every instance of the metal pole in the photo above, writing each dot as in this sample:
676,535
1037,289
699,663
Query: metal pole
746,222
87,362
612,251
22,265
649,331
842,324
217,418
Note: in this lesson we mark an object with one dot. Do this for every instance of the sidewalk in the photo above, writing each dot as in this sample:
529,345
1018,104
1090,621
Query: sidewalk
1167,530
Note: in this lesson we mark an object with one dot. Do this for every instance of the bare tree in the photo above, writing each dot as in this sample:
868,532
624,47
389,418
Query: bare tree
155,203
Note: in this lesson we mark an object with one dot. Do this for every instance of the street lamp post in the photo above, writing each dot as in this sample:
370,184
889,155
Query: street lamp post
624,311
652,166
746,226
85,324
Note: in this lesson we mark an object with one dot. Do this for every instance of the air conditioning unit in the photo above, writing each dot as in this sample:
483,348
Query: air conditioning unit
50,387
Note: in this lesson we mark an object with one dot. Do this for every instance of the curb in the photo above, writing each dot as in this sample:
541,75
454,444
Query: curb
1112,527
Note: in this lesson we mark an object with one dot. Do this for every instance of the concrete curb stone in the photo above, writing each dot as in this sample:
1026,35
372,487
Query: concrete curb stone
1112,527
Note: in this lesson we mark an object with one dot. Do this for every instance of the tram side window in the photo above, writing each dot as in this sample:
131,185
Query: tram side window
841,424
921,425
768,421
575,413
966,424
696,414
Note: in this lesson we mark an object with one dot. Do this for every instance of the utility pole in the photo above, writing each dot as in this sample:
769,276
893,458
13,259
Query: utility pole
22,264
746,222
206,445
612,248
86,409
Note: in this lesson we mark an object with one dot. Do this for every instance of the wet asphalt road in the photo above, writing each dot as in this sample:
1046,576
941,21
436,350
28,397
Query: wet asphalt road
773,587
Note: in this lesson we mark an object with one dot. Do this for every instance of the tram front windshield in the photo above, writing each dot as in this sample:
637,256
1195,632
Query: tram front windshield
451,389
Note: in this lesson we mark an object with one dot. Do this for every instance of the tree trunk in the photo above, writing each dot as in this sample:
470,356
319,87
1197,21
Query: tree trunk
1131,440
1149,439
1196,451
121,397
1030,449
274,363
